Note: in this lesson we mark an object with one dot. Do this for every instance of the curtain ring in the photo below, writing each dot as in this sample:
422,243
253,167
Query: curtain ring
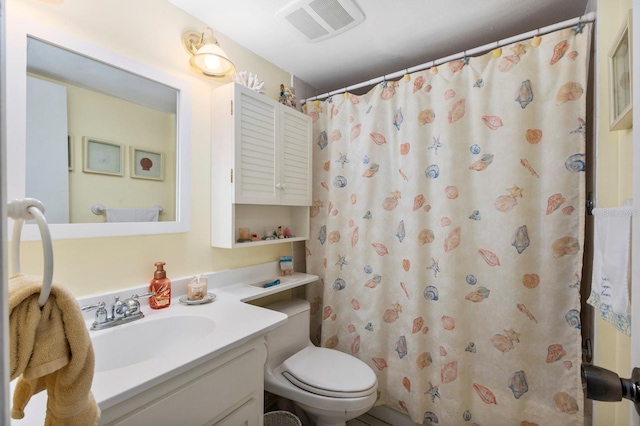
578,28
497,51
535,42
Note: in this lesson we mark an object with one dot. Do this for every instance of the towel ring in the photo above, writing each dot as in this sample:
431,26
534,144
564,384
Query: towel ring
27,209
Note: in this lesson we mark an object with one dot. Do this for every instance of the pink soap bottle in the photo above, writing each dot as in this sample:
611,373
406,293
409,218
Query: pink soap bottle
161,286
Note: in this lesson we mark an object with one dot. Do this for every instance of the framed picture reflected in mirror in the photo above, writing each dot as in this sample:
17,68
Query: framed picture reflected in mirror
103,157
147,164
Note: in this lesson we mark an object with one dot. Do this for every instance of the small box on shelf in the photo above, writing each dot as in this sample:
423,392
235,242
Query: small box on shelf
286,265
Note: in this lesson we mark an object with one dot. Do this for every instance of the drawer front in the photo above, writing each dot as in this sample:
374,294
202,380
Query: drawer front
248,414
214,394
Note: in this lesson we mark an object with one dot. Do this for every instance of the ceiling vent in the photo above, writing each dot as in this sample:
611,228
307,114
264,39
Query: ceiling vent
321,19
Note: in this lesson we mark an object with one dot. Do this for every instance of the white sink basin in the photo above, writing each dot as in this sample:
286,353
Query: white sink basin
147,338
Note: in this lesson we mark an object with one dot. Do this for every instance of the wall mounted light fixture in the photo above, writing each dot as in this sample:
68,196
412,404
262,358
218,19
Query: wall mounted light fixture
206,53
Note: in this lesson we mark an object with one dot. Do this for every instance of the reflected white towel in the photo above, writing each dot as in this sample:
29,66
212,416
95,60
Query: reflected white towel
611,266
132,215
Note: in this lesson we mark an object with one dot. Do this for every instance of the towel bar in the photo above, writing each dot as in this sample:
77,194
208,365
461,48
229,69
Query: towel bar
99,208
28,209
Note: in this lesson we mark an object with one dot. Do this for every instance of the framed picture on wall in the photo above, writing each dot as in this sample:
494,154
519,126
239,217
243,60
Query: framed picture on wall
71,152
620,83
147,164
103,157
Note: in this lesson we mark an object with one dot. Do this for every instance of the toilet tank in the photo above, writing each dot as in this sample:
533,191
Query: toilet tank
291,337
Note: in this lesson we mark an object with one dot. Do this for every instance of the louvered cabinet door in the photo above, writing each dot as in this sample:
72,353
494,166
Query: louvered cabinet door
256,174
260,168
294,183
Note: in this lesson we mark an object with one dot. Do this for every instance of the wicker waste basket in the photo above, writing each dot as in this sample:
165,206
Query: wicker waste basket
281,418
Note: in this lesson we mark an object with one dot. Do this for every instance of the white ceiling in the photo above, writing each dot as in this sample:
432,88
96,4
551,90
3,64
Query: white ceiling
64,65
395,35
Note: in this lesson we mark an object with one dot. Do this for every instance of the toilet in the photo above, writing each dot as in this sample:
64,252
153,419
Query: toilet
330,386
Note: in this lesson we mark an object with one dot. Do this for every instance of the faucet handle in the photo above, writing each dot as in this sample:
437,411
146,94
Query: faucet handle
133,304
101,312
148,294
99,305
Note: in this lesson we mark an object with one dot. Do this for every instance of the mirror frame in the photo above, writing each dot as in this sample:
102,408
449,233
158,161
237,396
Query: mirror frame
18,28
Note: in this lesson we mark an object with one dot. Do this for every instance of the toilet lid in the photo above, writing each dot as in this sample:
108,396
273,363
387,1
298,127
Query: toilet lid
330,373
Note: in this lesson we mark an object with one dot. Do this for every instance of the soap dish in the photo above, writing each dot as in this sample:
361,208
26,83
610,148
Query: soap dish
210,297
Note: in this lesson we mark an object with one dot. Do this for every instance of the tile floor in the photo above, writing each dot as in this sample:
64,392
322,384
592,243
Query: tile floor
367,420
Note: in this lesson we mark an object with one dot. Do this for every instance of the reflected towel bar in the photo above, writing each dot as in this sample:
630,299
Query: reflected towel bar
99,209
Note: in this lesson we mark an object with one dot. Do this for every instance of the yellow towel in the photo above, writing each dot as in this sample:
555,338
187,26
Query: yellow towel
50,349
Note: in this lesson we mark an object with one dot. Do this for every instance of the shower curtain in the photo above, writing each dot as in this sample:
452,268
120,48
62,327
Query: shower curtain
447,229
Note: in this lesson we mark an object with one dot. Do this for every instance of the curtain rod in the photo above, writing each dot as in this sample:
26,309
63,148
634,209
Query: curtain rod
589,17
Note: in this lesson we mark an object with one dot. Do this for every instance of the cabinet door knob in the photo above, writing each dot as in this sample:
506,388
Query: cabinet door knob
278,185
283,186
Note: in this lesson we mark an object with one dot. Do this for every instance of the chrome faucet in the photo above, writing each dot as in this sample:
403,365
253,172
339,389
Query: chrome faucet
122,312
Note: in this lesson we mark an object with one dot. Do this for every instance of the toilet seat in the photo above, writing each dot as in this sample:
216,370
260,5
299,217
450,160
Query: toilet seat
329,372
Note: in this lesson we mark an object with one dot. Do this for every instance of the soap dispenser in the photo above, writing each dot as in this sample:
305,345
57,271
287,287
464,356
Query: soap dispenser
161,286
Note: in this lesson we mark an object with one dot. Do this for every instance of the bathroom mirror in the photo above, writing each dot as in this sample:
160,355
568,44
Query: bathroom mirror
89,129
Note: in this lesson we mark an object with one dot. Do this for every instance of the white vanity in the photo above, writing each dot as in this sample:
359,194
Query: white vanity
208,370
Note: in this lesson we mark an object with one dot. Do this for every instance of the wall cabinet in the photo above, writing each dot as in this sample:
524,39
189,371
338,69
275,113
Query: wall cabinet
227,390
261,167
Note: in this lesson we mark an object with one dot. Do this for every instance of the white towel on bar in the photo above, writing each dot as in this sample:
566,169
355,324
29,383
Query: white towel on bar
610,282
132,215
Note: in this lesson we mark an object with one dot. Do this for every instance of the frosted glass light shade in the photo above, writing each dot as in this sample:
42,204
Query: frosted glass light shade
212,61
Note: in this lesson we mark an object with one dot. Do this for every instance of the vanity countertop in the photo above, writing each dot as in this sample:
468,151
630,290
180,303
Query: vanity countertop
236,323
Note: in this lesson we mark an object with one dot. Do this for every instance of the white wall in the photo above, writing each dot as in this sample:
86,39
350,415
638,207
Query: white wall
613,185
635,293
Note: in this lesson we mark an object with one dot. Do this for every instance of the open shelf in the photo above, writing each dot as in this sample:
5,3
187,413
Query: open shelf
257,218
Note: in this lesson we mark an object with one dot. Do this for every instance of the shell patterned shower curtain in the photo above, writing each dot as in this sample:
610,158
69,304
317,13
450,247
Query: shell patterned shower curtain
447,229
